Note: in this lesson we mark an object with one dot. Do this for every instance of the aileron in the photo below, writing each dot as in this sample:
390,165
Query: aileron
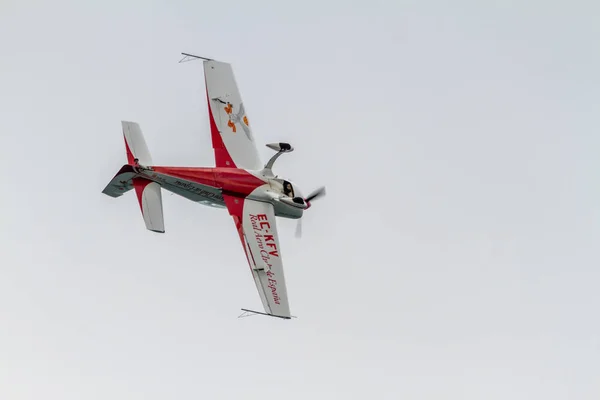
257,228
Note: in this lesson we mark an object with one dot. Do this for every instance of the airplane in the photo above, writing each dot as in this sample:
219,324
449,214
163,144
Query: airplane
239,182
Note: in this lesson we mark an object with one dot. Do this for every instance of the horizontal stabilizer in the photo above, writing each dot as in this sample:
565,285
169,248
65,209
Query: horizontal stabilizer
150,199
121,183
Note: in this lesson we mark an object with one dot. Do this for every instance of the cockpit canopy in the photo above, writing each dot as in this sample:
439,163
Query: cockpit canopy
285,187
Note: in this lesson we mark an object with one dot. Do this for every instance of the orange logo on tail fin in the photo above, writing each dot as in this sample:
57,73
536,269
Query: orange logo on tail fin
238,117
231,125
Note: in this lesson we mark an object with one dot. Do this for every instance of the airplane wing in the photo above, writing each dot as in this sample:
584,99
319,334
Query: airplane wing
232,137
257,228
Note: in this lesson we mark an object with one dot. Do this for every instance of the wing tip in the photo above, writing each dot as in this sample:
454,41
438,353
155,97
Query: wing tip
267,314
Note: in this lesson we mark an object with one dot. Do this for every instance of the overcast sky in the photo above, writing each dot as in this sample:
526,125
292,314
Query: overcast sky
456,255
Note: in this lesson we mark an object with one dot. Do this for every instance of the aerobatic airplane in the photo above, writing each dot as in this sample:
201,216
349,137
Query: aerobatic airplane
239,182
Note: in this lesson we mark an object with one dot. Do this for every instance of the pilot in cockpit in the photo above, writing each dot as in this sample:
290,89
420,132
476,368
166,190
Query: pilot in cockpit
287,189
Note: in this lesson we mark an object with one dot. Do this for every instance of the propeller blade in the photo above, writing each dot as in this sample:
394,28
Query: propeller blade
316,194
299,228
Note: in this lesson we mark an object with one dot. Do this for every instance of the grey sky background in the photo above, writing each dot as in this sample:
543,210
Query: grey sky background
455,257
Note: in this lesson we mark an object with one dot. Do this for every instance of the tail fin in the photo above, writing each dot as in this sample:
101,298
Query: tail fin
148,192
135,145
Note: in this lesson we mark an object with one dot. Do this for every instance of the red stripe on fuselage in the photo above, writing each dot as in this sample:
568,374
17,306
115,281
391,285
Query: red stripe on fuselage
238,182
204,176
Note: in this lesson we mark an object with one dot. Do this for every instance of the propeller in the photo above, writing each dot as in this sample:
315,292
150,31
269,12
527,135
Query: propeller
320,192
299,228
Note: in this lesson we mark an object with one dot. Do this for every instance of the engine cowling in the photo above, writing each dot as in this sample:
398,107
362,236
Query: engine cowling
297,202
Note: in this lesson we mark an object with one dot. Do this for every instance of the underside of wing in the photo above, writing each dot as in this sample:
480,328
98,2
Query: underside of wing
232,137
256,225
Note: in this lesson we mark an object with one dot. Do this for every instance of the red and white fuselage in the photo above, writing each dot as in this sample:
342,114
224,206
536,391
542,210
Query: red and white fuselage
239,182
210,186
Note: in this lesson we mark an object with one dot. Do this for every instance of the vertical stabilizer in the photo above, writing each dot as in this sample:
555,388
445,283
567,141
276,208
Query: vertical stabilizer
135,145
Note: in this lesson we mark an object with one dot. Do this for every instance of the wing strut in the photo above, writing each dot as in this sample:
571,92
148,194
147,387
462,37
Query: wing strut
249,313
